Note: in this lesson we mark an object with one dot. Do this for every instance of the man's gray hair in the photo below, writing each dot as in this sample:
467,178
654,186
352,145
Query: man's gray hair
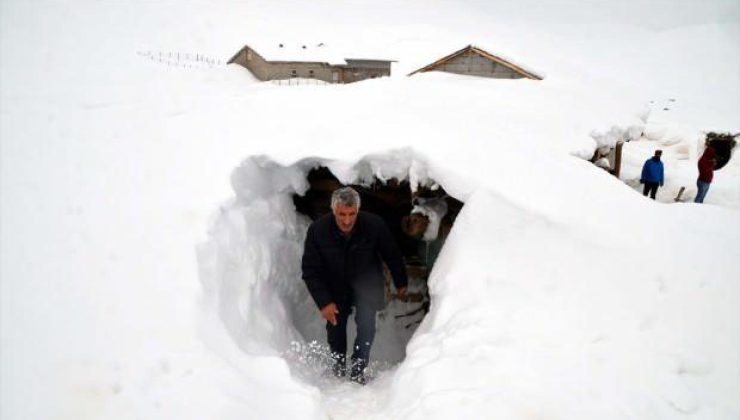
346,196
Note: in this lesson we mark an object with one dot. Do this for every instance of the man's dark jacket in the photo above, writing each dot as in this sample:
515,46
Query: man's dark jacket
342,270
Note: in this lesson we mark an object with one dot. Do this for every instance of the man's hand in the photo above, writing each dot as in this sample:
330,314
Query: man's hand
329,313
401,292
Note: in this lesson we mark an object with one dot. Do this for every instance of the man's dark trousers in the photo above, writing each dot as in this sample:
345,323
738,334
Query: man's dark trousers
651,187
337,335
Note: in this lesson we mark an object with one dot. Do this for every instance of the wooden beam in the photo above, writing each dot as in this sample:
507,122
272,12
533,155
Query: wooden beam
441,61
618,159
507,64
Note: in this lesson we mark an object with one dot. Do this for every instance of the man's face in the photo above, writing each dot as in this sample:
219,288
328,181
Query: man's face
346,216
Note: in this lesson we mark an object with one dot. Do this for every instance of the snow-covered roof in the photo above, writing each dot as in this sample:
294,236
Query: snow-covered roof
313,51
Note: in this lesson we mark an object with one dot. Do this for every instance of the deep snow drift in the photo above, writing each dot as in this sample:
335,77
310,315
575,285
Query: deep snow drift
148,245
534,313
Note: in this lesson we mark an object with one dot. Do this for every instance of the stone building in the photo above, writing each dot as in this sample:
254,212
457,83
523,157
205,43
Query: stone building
282,62
474,61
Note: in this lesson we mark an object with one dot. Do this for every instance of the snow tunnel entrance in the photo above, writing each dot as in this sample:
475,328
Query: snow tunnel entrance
250,264
419,220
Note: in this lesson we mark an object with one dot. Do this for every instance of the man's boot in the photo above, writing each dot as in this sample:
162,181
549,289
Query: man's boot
357,373
339,368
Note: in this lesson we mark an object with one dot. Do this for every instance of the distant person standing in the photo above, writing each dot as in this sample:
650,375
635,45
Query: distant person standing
706,165
652,175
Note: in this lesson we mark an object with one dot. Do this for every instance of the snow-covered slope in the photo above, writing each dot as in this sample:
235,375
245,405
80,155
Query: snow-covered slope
149,247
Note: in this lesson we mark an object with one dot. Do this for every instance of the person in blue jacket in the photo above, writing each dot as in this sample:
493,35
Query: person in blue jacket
652,175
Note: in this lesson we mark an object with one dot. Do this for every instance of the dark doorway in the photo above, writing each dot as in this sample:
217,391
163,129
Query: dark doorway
409,215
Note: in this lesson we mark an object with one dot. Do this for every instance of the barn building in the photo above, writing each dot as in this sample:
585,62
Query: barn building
316,61
474,61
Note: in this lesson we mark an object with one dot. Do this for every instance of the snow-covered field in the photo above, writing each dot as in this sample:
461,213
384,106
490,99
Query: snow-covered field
149,248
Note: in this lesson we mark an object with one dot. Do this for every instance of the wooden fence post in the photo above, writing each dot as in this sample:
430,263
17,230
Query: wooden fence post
618,159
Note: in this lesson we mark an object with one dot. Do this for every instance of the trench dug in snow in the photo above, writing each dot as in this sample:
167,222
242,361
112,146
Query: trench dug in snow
250,265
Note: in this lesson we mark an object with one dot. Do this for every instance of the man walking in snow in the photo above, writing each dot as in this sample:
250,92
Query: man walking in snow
652,175
706,165
342,269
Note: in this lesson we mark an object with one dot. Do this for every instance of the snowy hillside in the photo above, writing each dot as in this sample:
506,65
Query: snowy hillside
150,248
